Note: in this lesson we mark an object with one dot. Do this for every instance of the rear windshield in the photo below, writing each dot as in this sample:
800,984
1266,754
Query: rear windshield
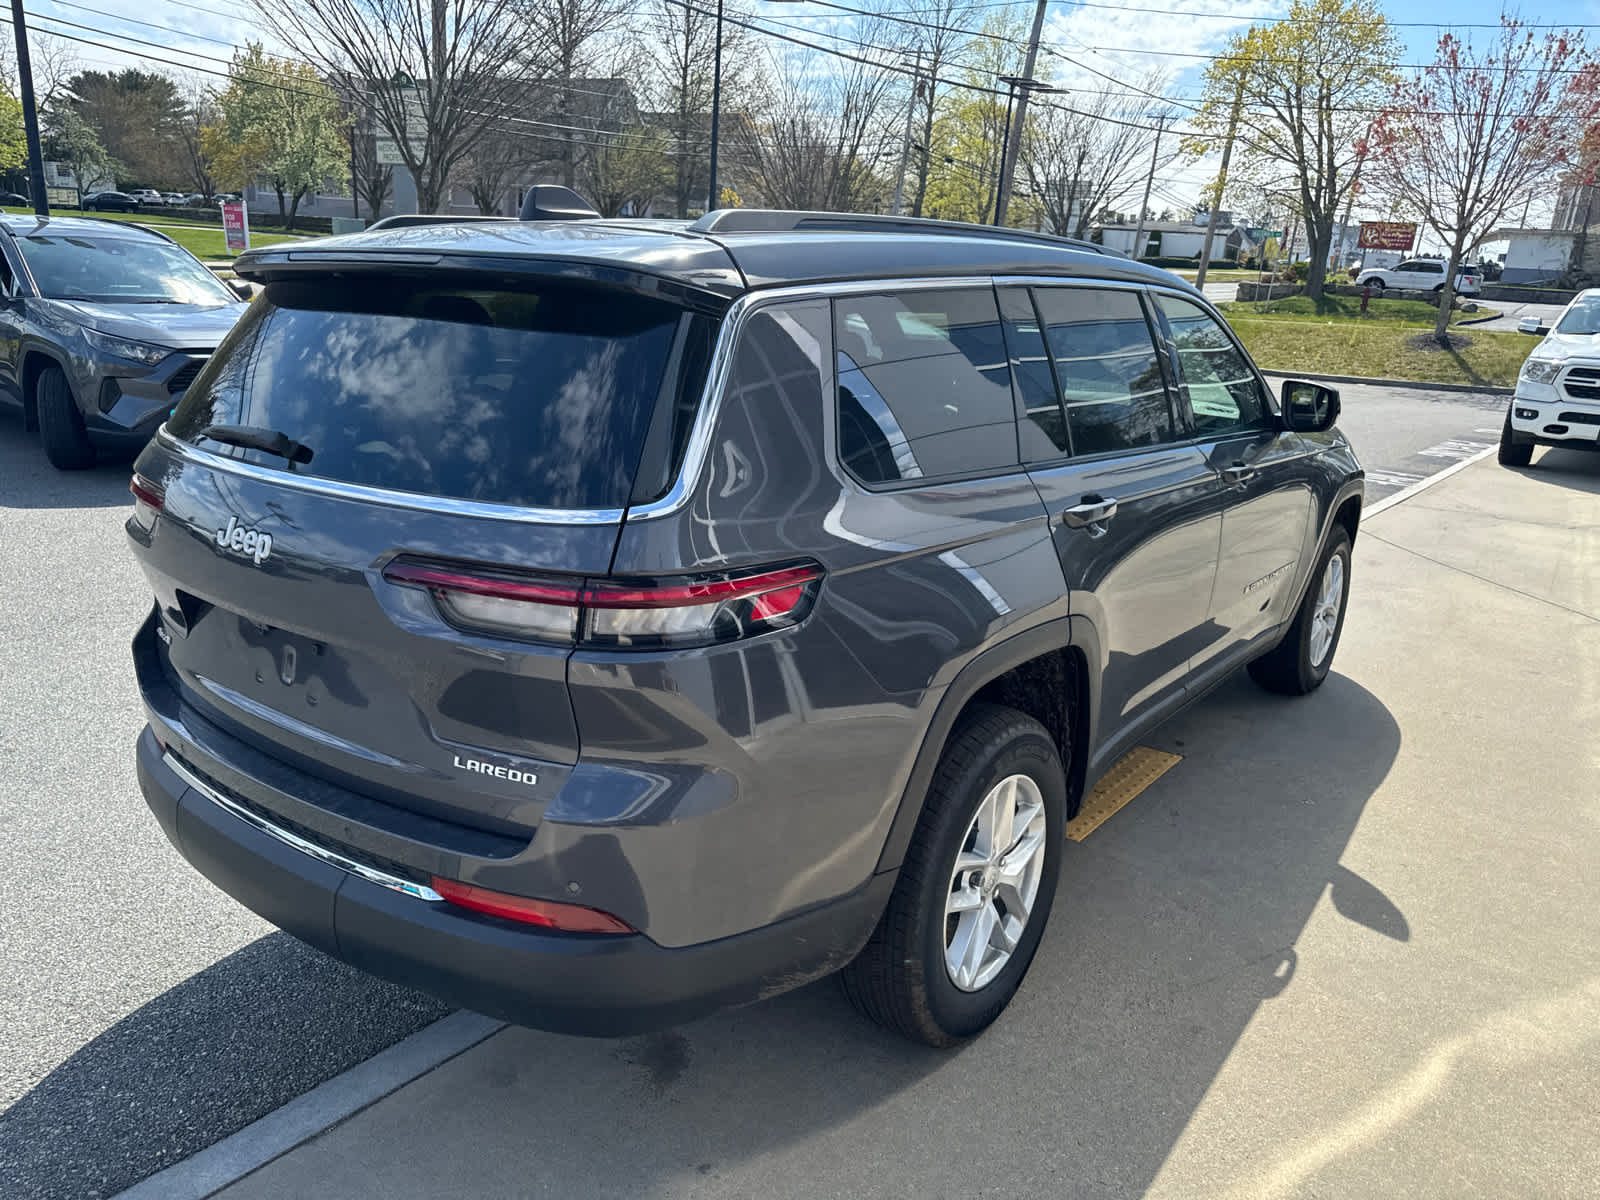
530,397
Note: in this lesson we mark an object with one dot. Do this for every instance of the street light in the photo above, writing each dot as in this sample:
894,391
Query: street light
1014,84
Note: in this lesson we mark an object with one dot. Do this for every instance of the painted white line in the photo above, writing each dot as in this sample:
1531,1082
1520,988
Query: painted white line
1394,479
325,1105
1406,494
1455,448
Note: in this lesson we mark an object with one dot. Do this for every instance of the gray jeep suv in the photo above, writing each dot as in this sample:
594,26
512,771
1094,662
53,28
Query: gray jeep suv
596,623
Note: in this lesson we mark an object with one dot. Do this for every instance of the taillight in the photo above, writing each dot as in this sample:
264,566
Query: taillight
547,914
148,498
677,611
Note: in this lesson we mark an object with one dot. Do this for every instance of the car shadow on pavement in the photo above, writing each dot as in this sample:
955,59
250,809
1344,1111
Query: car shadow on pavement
1175,923
27,480
221,1049
1576,469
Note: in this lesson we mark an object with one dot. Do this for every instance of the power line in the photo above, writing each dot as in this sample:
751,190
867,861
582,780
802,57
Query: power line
1185,12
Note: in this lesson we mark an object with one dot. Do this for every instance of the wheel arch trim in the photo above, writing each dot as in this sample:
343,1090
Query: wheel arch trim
1064,633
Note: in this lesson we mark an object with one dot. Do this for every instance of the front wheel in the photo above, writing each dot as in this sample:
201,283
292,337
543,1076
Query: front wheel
1514,452
1374,283
1298,664
61,430
976,886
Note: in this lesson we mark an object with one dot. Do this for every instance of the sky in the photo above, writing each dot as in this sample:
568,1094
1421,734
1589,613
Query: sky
1104,37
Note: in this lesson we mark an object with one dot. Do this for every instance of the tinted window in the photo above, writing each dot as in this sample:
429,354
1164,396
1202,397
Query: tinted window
538,398
1106,365
924,386
1224,392
70,267
1043,435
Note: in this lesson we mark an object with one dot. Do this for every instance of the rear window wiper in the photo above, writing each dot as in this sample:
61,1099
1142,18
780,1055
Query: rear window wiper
254,437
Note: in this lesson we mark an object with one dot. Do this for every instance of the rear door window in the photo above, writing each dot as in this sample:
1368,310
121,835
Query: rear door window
539,397
1106,367
924,385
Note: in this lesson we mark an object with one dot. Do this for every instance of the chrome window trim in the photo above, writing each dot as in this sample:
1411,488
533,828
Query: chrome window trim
371,874
698,449
416,500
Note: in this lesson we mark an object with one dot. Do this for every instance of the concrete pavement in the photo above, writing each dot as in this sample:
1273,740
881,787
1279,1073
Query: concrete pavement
1349,947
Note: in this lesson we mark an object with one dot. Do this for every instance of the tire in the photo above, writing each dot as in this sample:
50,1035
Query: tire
1374,283
1514,452
66,444
1298,664
901,979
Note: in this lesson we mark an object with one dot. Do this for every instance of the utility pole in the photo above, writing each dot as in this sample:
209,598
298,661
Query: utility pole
1013,144
905,148
716,113
30,113
1222,182
1149,182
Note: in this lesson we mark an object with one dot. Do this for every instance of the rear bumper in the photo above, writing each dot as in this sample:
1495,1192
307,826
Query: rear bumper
569,983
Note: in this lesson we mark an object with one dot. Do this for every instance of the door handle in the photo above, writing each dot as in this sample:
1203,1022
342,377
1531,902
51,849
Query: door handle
1091,514
1238,473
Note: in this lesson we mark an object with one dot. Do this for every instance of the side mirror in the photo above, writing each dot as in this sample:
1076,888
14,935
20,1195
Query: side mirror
1309,407
242,289
1532,325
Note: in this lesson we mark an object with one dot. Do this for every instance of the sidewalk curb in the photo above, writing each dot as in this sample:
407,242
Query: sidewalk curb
1400,383
1423,485
324,1106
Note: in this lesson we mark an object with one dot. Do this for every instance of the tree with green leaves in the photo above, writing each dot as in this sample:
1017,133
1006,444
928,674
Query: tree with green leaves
1307,87
282,122
971,126
138,117
13,138
631,167
70,140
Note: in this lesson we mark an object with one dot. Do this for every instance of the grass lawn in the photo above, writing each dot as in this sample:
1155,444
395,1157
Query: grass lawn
202,242
1213,275
1324,338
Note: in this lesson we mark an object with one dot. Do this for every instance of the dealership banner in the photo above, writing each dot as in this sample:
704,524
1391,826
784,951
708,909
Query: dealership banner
1387,235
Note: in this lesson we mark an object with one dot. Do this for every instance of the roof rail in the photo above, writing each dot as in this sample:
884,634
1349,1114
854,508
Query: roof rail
770,220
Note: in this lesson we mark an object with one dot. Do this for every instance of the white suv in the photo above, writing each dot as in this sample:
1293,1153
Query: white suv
1422,274
1557,401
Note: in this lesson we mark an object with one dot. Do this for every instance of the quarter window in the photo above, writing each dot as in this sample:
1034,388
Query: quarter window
924,385
1224,392
1107,369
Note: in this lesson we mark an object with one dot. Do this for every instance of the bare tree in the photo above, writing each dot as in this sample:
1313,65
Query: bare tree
1475,134
821,141
54,62
496,162
371,180
627,168
941,42
679,43
436,75
572,42
200,112
1091,153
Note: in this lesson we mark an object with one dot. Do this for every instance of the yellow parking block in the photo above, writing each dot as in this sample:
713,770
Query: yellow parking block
1135,771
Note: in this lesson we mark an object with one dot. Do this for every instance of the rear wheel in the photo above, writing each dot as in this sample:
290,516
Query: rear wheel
1298,664
66,444
1374,283
1514,451
976,886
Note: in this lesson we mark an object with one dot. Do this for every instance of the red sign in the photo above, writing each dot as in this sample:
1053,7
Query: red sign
1387,235
236,224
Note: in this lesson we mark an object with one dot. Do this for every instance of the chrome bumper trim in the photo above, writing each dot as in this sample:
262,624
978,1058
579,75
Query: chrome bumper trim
370,874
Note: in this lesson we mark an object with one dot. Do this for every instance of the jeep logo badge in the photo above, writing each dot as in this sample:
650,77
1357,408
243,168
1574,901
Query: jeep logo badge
252,543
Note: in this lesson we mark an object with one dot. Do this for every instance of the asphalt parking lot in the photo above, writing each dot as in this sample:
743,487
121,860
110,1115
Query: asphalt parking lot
149,1016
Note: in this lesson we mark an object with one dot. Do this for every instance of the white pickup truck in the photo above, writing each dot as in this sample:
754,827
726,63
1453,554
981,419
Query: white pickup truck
1422,274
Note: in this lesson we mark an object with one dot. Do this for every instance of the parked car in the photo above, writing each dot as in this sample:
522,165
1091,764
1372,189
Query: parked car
105,325
600,645
173,199
1419,274
195,200
1557,398
226,198
15,200
109,202
147,196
